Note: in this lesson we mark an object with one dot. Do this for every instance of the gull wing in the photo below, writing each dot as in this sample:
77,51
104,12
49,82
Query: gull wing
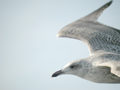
109,60
95,15
96,35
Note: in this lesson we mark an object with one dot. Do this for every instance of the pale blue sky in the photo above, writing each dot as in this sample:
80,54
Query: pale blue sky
30,51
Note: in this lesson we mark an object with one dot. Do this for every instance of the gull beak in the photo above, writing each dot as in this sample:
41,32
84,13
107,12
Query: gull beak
57,73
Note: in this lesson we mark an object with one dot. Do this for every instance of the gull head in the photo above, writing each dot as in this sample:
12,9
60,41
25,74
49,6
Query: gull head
78,68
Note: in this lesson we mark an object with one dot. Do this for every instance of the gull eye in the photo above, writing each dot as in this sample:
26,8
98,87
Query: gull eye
72,66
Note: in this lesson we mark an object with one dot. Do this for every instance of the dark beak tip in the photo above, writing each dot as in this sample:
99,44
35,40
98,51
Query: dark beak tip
57,73
53,75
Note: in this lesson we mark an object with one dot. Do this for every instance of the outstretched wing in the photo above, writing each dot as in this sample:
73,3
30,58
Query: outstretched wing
97,36
109,60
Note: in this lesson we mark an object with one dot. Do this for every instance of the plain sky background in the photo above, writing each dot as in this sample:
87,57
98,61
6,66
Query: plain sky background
30,51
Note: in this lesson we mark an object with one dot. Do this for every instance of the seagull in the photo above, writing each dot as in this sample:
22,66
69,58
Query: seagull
103,64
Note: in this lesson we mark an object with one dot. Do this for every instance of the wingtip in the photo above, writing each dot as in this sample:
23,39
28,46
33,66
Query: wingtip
95,15
110,2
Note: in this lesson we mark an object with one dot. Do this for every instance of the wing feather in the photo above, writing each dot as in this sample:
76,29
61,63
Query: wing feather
96,35
109,60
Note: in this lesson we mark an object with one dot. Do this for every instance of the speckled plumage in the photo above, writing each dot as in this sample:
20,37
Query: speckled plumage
103,64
